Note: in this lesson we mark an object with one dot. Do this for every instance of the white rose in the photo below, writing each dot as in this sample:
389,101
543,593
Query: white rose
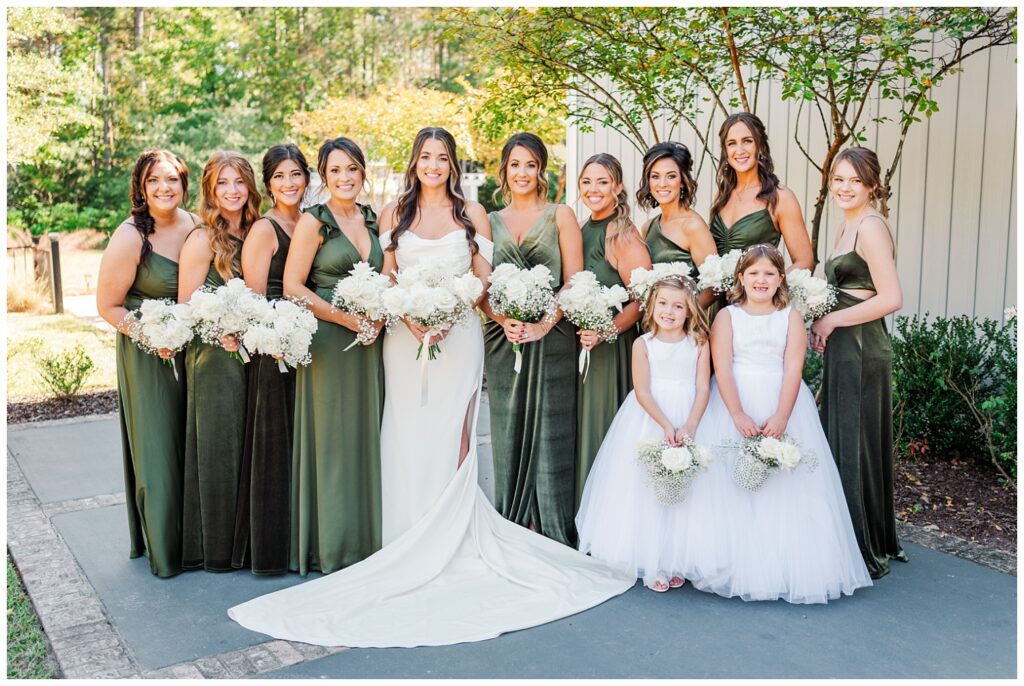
789,456
770,448
419,302
676,459
540,276
516,291
393,300
445,300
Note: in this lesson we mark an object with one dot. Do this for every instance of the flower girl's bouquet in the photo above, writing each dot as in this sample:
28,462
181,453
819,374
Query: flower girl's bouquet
762,455
591,306
526,295
671,470
812,296
361,295
160,324
719,271
641,280
285,332
228,310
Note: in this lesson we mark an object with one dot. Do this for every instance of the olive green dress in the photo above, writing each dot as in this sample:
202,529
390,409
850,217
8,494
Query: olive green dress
152,415
214,436
856,413
663,249
609,376
752,229
261,520
339,398
533,414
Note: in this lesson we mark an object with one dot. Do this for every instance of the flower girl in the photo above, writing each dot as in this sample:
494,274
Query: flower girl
782,530
620,520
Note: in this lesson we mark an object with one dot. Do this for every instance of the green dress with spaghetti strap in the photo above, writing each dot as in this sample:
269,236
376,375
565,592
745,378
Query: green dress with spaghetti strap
856,413
214,436
663,249
533,413
152,417
339,398
752,229
609,375
261,519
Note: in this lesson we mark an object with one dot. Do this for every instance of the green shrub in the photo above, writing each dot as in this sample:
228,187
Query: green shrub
813,363
954,388
64,373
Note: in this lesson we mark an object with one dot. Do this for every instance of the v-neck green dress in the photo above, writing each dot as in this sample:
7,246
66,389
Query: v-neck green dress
533,413
262,518
214,435
339,398
663,249
610,374
152,417
751,229
856,413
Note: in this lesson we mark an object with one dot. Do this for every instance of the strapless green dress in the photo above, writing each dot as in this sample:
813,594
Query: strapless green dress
756,227
152,417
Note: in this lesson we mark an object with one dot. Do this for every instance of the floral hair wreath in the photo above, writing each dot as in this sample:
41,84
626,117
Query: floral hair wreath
677,281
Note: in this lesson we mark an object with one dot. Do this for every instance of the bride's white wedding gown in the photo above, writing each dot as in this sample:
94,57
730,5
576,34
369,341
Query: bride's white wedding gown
452,569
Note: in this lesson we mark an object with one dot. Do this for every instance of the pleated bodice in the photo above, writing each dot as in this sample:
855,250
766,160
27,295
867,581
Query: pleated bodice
849,271
539,246
756,227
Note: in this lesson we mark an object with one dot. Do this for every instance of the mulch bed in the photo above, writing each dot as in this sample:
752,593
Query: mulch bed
36,408
960,496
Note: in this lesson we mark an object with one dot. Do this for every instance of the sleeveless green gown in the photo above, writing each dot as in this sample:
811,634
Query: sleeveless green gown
214,436
663,249
756,227
610,375
856,413
339,398
533,414
261,520
152,417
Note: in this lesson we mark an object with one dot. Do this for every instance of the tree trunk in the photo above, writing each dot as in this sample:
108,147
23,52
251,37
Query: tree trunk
819,204
139,26
108,124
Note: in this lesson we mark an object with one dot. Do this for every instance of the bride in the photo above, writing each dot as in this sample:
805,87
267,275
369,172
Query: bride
452,569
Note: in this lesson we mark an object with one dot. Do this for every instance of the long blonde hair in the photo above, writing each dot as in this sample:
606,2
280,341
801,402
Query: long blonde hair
737,295
622,219
224,249
696,326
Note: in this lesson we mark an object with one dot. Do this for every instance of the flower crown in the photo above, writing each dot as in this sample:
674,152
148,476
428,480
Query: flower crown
679,281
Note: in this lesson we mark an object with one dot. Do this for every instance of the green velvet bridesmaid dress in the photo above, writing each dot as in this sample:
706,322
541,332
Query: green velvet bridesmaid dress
533,414
609,376
339,398
214,436
261,520
152,415
663,249
856,413
752,229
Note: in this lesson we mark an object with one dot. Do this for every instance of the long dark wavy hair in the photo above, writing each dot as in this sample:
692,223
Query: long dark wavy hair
536,147
277,154
726,176
347,146
225,249
143,220
408,202
678,153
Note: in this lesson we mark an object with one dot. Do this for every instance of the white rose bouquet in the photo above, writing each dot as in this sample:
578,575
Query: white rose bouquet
160,324
671,470
641,280
719,271
360,294
228,310
526,295
285,332
591,306
762,455
812,296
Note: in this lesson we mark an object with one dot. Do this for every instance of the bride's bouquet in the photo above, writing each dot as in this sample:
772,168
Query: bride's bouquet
285,332
361,295
526,295
591,306
812,296
641,280
228,310
671,470
432,295
719,271
160,324
760,456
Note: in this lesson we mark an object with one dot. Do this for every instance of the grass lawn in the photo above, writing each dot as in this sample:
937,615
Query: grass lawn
54,333
27,657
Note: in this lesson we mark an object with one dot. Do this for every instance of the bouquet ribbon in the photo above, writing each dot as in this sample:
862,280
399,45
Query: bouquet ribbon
174,367
243,352
584,363
518,349
424,358
282,367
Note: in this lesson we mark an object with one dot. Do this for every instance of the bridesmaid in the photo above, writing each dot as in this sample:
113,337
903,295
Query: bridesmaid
679,233
339,396
261,518
215,421
141,263
612,249
856,389
533,413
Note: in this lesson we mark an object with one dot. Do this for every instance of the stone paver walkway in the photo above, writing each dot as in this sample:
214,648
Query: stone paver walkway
941,616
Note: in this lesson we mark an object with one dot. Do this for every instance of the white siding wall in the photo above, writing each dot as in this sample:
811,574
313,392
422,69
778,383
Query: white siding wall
953,209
